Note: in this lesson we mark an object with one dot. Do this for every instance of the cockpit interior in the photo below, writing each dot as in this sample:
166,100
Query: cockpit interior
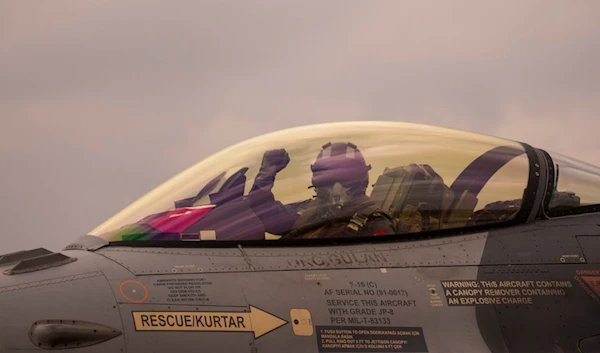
386,178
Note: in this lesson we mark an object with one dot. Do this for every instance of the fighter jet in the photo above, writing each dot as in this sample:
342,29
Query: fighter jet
343,237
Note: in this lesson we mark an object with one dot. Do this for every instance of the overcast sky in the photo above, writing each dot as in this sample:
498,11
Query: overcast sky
101,101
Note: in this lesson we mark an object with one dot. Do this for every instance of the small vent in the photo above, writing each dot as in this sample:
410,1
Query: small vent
517,270
40,263
15,257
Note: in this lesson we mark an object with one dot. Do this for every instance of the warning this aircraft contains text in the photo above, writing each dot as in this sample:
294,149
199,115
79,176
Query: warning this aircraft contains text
461,292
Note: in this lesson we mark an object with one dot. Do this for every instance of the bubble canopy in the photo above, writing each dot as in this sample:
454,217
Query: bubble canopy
338,180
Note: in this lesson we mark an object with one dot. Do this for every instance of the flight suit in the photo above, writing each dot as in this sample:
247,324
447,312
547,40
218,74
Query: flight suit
359,218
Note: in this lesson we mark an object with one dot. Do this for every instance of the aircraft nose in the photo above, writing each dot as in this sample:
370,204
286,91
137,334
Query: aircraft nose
51,300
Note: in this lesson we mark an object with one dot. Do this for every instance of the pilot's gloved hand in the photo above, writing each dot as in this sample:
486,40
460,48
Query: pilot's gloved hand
274,161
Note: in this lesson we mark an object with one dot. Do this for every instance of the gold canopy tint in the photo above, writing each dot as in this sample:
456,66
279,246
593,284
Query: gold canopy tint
386,146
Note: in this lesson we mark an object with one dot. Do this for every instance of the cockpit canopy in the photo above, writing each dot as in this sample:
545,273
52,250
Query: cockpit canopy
338,180
576,187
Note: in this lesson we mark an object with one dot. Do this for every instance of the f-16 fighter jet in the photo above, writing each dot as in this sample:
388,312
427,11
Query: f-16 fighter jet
345,237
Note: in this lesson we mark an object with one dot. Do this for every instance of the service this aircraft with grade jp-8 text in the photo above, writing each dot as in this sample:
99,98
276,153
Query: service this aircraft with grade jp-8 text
344,237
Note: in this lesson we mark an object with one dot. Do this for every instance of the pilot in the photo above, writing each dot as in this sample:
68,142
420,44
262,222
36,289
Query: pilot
340,207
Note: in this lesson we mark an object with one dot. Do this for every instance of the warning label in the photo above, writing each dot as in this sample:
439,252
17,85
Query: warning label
589,280
502,292
370,339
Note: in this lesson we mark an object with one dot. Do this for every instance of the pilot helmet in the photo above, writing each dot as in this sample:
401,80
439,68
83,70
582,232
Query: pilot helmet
340,173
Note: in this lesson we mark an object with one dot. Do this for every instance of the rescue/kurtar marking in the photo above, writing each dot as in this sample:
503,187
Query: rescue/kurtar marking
257,321
191,320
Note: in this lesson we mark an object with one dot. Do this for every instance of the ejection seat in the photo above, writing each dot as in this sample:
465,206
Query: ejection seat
416,197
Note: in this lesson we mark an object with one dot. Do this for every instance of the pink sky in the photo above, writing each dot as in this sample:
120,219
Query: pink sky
102,101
